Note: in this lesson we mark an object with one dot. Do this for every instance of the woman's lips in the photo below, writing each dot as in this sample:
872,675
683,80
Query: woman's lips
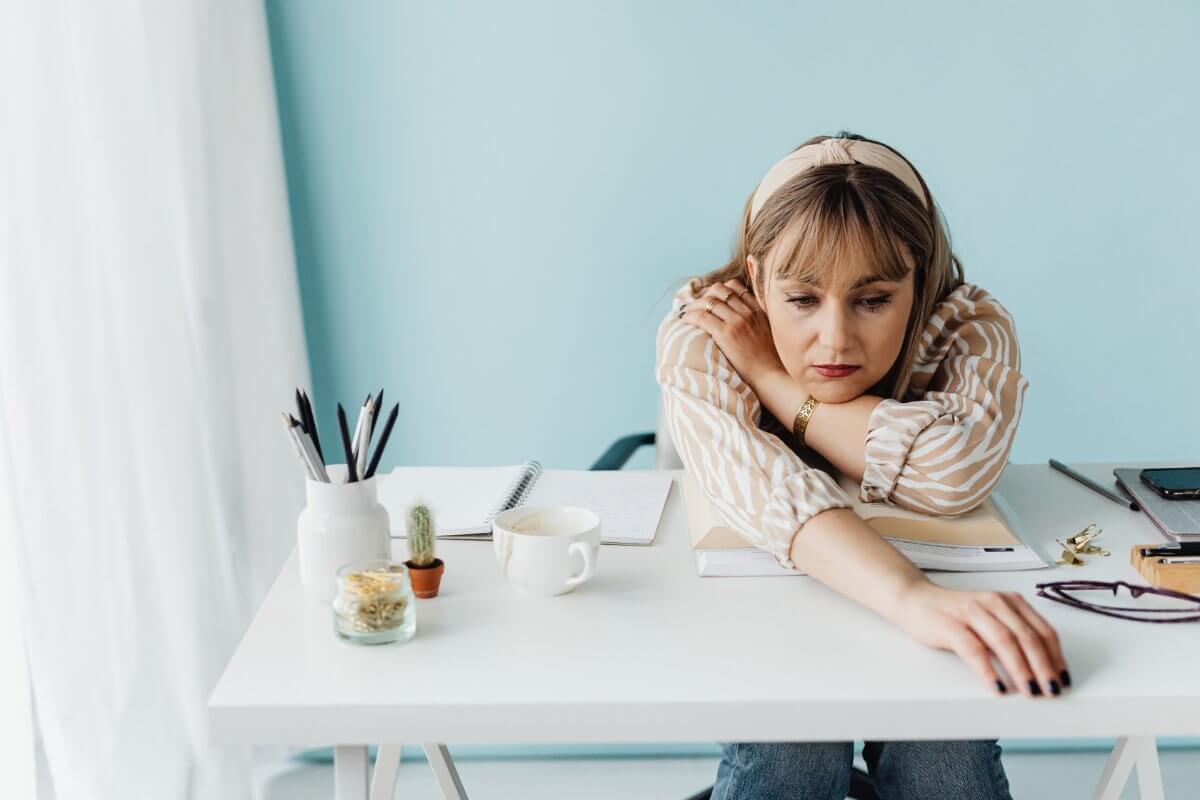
835,371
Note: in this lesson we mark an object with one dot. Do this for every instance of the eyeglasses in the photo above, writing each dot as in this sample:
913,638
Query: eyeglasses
1177,607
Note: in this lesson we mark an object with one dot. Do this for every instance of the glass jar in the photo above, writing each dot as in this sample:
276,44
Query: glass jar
374,603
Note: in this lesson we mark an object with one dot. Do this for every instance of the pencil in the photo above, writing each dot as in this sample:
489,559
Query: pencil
1095,487
351,474
383,440
312,426
378,405
291,432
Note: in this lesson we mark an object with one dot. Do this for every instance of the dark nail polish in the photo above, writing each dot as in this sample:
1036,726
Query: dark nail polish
1001,688
1066,678
1054,687
1034,689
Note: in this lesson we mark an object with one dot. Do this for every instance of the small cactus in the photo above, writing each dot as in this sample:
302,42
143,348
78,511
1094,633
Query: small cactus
420,535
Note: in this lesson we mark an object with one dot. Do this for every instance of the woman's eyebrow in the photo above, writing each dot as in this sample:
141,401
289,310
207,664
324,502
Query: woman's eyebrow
880,278
789,282
870,279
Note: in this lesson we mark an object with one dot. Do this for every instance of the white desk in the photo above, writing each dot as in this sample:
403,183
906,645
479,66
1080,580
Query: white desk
648,651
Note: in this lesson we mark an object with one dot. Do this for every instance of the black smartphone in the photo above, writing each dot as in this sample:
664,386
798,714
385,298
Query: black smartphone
1174,483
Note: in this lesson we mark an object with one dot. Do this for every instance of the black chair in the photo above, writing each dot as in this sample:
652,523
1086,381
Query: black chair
862,787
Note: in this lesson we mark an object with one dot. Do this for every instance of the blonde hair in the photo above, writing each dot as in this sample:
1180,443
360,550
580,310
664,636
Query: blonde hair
827,220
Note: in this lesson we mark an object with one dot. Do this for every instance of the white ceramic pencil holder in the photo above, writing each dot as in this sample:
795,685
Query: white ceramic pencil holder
341,522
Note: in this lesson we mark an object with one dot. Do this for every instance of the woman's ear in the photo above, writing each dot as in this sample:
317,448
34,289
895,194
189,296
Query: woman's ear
752,271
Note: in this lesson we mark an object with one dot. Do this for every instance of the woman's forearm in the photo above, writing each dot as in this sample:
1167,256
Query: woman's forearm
838,431
840,550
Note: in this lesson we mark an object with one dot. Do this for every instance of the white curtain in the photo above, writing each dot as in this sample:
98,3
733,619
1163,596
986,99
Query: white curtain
150,336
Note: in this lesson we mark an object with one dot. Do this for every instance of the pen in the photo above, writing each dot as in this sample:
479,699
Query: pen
1192,560
1111,495
351,473
383,440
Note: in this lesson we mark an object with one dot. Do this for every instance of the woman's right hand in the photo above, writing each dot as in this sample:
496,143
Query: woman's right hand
979,625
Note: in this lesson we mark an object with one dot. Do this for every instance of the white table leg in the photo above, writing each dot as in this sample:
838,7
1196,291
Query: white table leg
383,777
444,771
1140,752
350,769
1149,774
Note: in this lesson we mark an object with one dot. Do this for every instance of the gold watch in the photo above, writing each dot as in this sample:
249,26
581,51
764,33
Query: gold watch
801,422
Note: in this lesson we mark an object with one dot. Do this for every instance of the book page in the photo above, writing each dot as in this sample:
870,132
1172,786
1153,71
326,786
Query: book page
984,526
459,497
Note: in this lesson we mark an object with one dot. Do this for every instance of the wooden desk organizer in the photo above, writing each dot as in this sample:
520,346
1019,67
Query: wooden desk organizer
1180,577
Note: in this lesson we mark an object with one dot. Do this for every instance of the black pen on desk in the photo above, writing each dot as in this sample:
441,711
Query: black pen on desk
1111,495
351,474
383,440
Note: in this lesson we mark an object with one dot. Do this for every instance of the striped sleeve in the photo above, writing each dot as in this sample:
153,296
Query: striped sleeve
756,484
943,452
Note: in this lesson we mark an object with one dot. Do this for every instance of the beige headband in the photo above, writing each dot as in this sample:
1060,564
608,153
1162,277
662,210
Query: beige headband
834,151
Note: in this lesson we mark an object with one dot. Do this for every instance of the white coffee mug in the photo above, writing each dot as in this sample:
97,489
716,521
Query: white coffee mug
547,549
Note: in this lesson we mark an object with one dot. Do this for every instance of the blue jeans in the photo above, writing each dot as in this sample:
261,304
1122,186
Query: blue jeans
924,770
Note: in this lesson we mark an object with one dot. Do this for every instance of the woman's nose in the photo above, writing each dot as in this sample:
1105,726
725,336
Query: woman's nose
835,335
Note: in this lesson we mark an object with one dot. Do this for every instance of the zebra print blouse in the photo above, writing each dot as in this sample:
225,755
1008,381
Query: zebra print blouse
939,453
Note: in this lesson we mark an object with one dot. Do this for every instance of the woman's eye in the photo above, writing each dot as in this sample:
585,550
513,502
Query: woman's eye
875,303
803,301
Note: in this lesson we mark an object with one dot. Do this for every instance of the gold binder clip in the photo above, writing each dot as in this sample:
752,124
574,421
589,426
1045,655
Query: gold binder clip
1069,557
1080,544
1082,541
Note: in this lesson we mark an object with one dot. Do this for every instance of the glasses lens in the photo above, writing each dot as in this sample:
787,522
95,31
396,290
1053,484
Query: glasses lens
1148,603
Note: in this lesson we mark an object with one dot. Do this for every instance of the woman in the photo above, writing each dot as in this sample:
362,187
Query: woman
842,336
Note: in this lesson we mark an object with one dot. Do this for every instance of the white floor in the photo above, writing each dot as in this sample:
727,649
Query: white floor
1032,776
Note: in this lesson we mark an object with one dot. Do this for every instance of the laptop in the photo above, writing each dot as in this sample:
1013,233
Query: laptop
1179,520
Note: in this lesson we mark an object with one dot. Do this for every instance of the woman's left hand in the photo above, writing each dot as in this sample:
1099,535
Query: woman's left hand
730,314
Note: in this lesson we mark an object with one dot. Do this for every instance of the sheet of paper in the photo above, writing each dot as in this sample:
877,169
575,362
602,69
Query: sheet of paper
459,497
630,502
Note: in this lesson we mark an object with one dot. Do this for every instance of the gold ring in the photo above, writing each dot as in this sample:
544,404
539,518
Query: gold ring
743,293
708,306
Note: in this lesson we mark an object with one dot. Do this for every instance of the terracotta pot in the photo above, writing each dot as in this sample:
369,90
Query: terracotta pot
426,580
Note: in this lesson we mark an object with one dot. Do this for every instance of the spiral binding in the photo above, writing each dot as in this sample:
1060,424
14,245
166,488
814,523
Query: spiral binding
519,490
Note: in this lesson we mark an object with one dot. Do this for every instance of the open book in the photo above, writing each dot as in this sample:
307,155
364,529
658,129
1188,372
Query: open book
465,499
987,538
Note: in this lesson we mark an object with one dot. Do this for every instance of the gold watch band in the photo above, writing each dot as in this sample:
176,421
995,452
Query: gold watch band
800,424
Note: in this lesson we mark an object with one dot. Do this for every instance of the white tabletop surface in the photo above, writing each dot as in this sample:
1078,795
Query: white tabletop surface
649,651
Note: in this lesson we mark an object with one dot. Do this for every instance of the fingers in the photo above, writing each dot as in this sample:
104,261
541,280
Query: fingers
970,649
1048,634
1035,650
1028,645
740,298
721,300
1008,650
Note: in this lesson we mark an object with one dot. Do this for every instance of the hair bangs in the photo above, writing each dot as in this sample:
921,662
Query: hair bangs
838,241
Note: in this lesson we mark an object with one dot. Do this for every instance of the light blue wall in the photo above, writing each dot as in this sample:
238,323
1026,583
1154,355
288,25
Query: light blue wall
490,198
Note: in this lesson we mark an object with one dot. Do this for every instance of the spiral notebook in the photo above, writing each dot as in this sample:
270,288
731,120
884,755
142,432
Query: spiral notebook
464,500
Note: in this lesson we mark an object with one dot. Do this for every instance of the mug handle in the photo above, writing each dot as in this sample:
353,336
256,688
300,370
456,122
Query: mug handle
588,563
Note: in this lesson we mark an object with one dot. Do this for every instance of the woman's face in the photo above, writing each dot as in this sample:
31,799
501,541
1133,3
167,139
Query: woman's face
862,328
